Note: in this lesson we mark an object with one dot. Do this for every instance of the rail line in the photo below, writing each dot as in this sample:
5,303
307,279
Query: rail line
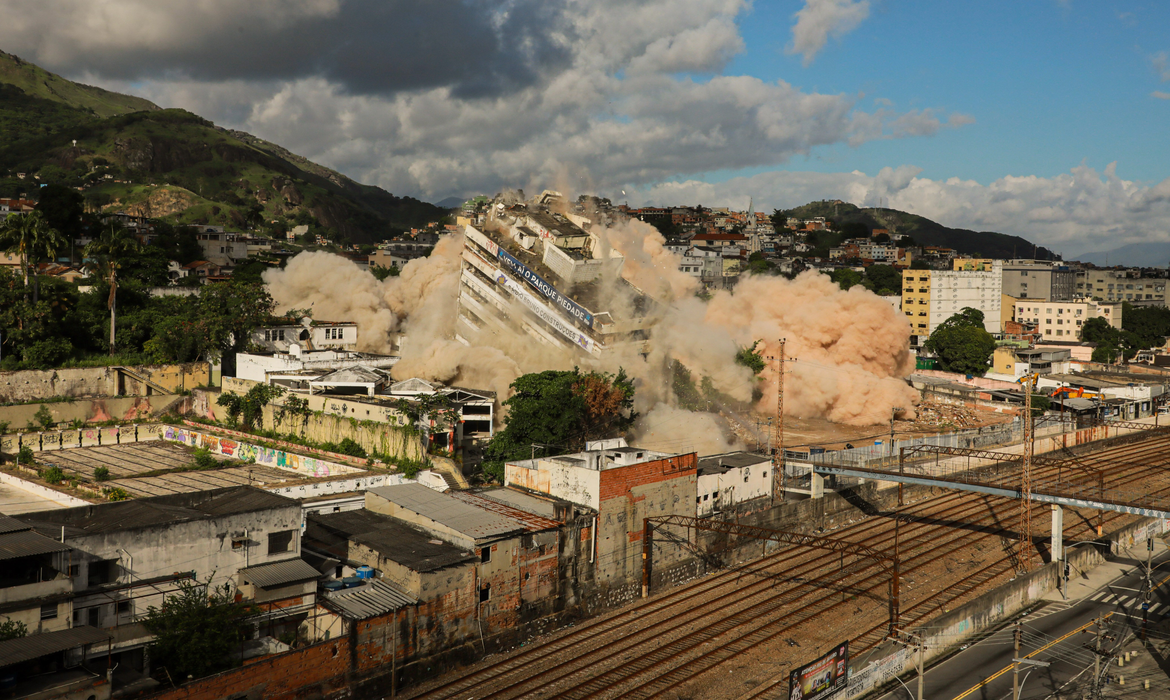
698,626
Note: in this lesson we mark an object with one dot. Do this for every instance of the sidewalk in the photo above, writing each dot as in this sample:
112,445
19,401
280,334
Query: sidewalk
1083,584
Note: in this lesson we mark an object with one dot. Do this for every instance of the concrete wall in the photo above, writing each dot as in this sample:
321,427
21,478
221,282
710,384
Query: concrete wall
203,546
557,479
85,382
83,437
628,495
87,410
716,491
375,428
249,452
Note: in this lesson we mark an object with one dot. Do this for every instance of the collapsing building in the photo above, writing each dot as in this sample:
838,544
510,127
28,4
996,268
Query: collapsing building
540,271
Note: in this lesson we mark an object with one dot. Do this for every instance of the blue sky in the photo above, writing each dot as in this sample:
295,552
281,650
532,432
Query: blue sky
1043,118
1049,84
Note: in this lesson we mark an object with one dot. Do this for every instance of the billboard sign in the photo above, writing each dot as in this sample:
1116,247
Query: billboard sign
546,290
821,678
547,315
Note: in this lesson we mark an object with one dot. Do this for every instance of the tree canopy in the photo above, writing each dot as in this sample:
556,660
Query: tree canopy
962,344
559,411
198,630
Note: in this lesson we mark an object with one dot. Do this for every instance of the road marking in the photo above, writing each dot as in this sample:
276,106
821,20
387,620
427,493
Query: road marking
1009,667
1097,598
1047,646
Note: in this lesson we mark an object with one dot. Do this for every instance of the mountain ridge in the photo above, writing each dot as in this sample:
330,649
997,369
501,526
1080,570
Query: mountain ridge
924,231
173,164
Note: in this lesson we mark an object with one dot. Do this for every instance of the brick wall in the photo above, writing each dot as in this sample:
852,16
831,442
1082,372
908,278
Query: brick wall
317,669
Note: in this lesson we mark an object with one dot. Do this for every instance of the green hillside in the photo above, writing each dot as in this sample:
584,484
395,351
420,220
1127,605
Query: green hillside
174,165
926,232
38,82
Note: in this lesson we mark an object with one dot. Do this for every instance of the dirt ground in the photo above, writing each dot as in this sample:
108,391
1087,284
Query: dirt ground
932,419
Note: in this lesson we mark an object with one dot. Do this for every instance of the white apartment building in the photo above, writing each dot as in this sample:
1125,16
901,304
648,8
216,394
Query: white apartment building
930,297
1063,320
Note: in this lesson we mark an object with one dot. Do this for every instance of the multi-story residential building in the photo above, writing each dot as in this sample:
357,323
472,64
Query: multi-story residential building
1039,279
543,274
308,335
622,485
221,247
126,556
930,297
1056,320
1121,285
878,252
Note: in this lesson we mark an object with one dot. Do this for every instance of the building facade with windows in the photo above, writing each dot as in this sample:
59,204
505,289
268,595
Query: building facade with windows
1038,279
1062,321
930,297
1121,285
126,556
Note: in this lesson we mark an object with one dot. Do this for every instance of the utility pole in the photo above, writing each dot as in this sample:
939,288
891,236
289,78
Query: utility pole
1148,587
893,413
778,477
921,653
1026,487
1016,634
1097,661
916,641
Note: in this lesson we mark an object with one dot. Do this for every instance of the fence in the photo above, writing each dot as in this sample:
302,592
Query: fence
80,437
979,438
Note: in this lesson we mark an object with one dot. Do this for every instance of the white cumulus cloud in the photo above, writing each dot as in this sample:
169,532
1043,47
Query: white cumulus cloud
1084,210
820,19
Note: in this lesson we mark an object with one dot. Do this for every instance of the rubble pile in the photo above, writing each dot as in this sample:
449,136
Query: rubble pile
936,415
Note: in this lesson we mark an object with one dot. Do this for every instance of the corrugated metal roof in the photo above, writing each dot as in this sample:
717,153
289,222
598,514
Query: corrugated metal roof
391,538
719,464
15,651
369,600
529,520
10,524
27,543
280,573
444,508
544,507
156,510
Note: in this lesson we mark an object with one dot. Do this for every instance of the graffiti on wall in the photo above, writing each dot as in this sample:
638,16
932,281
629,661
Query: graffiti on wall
307,466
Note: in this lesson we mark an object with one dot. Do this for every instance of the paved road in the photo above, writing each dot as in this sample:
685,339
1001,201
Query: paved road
1055,633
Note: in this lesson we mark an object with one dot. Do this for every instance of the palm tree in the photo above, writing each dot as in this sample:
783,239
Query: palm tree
30,236
108,250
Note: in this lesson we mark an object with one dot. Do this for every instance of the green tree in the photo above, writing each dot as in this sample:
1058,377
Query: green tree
110,249
428,414
846,278
249,408
961,343
63,208
11,629
198,630
226,316
886,280
748,357
381,273
780,220
178,243
30,237
559,411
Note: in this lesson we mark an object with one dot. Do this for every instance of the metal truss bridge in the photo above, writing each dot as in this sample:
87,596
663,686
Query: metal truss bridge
1060,481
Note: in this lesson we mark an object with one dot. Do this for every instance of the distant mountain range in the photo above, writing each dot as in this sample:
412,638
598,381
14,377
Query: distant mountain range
1131,255
127,154
987,244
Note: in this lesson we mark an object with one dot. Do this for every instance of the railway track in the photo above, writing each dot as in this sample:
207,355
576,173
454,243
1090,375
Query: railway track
670,639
